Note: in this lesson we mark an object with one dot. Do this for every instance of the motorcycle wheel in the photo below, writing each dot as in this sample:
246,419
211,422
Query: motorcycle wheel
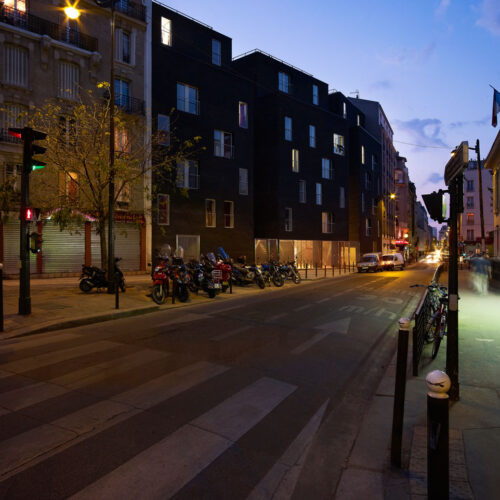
296,278
158,294
85,286
261,283
182,293
277,280
211,293
192,287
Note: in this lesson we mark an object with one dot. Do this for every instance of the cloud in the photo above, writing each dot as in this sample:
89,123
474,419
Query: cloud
435,178
407,56
490,16
478,123
382,85
424,132
443,6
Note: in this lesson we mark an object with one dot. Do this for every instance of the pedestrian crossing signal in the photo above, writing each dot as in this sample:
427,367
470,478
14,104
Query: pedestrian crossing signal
35,242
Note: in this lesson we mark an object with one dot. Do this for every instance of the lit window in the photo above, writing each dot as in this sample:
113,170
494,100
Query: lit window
223,144
288,128
315,95
358,120
166,31
295,160
283,82
470,218
164,130
228,214
243,181
326,222
319,197
187,174
187,99
288,220
210,213
312,136
326,168
216,52
19,5
163,210
72,185
302,191
243,114
15,65
362,155
338,144
122,141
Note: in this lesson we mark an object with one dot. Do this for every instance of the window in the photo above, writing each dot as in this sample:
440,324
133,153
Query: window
374,162
19,5
187,174
470,185
243,114
288,128
163,210
13,115
318,194
470,218
283,82
187,99
362,202
344,110
13,174
122,140
123,199
166,31
368,227
312,136
338,144
288,220
69,79
315,94
72,186
362,155
223,144
326,168
210,213
302,191
295,160
164,130
122,93
15,65
470,202
228,214
342,197
470,234
123,46
358,120
326,222
243,181
216,52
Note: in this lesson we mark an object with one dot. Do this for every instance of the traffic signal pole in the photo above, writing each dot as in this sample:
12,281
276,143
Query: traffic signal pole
24,257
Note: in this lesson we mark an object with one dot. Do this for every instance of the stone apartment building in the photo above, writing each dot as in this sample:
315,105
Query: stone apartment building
492,163
44,55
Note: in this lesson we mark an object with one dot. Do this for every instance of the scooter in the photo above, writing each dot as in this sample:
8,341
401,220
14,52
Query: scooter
94,277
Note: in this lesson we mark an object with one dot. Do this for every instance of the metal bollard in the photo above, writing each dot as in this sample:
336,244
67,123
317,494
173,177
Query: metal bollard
306,270
230,282
117,290
316,270
174,288
344,268
399,392
1,297
333,271
325,270
438,475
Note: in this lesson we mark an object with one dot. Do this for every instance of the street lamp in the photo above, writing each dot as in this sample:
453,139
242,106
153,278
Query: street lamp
392,196
71,12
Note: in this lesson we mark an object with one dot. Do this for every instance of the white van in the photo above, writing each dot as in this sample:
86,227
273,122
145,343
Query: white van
370,262
393,261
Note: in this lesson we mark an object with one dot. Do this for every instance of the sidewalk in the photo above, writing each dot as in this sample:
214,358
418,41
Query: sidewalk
474,420
58,302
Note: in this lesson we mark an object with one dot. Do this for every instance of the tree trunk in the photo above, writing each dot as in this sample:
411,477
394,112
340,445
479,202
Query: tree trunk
101,229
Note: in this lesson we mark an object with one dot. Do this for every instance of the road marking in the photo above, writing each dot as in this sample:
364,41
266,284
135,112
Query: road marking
30,395
185,318
323,300
338,326
226,335
226,309
485,340
164,468
305,306
21,343
280,481
278,316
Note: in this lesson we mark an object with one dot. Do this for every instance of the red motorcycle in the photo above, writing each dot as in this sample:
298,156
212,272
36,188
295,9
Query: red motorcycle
222,272
160,282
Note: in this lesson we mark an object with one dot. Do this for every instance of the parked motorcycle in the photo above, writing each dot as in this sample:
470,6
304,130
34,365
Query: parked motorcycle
94,277
160,277
271,272
244,275
202,278
289,271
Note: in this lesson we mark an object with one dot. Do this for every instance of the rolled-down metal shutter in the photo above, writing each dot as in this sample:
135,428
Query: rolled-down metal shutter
63,251
127,246
11,248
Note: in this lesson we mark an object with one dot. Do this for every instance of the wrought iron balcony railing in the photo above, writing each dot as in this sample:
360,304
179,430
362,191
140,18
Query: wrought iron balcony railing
41,26
5,137
131,9
129,104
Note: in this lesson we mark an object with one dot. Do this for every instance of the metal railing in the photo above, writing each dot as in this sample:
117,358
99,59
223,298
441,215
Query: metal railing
129,104
40,26
131,9
258,51
5,137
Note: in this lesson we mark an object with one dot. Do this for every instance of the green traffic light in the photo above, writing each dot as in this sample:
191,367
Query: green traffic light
37,167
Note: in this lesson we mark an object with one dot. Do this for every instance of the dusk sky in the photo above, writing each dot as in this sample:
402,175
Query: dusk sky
428,62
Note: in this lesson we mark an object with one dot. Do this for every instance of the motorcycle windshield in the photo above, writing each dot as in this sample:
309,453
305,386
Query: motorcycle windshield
223,253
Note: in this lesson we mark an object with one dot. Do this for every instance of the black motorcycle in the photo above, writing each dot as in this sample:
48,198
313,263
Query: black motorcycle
289,271
202,277
95,277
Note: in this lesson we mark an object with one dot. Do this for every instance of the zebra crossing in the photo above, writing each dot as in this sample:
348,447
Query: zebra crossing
93,418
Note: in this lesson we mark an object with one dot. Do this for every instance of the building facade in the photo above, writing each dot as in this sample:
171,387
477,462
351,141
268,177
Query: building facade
492,163
44,55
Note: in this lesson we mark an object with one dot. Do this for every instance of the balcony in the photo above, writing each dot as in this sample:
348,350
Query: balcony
129,104
131,9
41,26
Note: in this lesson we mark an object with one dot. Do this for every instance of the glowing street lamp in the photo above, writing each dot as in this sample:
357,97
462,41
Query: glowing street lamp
392,196
71,12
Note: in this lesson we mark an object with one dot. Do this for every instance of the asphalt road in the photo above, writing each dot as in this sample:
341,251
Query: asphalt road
257,397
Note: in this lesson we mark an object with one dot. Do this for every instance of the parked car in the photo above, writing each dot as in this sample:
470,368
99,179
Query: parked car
393,261
370,262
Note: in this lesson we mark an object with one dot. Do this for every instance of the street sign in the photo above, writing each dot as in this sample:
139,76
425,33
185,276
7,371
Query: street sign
457,163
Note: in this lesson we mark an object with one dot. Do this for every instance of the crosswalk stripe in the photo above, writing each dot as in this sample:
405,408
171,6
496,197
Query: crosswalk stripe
30,395
164,468
50,358
305,306
22,343
230,333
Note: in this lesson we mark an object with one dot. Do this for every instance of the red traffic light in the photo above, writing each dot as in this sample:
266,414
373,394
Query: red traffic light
29,214
16,132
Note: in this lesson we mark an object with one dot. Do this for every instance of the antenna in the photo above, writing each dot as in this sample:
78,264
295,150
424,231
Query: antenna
356,93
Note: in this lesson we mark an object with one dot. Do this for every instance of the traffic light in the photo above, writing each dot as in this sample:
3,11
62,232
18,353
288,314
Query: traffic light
35,242
436,205
28,135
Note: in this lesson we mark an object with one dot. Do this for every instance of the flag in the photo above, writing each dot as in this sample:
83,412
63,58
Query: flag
496,106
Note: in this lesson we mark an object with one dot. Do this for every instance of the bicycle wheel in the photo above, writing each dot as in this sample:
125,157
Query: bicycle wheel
437,340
